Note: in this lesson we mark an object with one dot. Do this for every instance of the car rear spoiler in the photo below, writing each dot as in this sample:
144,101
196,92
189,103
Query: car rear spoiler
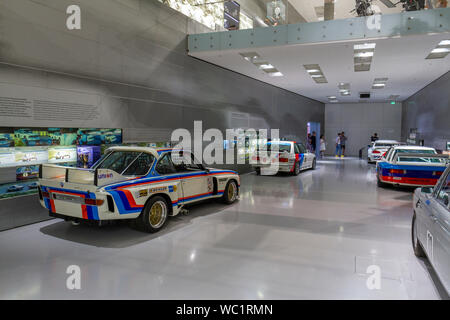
97,177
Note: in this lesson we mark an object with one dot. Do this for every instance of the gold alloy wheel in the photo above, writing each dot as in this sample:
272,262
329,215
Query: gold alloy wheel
231,191
158,214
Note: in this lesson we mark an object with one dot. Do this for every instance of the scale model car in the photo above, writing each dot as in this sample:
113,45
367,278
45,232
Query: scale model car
29,157
411,166
15,188
61,156
292,157
378,148
142,184
431,227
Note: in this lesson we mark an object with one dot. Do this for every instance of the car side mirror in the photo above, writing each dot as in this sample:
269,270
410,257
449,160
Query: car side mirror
426,190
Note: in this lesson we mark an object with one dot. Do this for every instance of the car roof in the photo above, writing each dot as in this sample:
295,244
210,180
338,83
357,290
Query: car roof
413,148
152,151
386,141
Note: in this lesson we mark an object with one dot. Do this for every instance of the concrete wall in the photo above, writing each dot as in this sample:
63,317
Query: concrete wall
360,121
128,64
429,111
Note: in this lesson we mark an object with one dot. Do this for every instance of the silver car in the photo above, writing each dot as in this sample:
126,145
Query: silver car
431,226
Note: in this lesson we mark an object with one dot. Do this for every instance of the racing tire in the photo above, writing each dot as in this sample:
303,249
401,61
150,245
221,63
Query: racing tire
380,183
230,193
296,171
154,215
314,165
258,171
417,247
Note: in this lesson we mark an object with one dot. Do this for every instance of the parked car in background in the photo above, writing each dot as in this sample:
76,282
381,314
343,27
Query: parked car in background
15,188
33,185
291,156
411,166
142,185
378,148
431,227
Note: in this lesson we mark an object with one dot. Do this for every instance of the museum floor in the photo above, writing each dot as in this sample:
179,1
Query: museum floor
306,237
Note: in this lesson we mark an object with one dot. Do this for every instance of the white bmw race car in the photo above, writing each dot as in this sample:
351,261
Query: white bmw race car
290,157
378,148
143,184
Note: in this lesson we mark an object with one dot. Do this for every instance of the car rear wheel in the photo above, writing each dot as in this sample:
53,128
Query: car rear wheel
230,193
417,247
314,165
258,171
380,183
154,215
296,169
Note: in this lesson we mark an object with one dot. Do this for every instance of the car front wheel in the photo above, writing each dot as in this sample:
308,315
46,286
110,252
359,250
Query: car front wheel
230,193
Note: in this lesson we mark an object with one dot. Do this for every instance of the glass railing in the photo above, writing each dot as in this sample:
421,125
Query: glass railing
220,15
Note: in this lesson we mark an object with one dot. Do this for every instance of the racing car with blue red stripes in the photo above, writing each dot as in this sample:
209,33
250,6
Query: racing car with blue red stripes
410,166
145,185
290,156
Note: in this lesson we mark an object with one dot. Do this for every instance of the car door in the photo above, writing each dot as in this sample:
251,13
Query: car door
195,182
440,224
305,161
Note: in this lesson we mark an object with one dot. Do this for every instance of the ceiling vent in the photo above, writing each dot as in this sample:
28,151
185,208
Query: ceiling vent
315,72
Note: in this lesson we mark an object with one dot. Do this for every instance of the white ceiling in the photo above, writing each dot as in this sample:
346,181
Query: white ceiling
402,60
342,8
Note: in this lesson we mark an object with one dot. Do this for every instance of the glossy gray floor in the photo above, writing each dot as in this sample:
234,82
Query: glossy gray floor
307,237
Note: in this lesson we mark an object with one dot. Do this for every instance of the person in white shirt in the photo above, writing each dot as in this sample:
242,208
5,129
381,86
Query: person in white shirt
323,146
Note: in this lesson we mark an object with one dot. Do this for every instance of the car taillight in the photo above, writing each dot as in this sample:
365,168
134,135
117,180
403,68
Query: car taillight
93,202
45,194
376,151
437,173
284,160
400,171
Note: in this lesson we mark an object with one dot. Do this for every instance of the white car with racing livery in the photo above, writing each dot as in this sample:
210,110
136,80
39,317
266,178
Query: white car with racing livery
140,184
378,148
289,156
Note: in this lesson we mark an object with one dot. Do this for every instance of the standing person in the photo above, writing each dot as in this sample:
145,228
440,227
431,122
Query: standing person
308,142
343,141
322,146
374,137
338,145
313,142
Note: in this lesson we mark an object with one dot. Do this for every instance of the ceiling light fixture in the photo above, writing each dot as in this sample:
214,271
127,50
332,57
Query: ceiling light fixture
261,64
440,51
379,83
363,55
315,72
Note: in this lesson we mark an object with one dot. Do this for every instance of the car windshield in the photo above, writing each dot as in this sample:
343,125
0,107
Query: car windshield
128,163
418,159
282,147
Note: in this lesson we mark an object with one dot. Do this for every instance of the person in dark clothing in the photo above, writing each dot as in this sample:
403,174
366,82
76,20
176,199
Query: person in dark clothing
374,137
313,141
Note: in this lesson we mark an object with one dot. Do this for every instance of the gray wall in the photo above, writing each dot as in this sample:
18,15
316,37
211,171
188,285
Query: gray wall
360,121
429,111
128,65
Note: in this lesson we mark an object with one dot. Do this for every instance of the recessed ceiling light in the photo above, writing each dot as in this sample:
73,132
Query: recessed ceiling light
364,54
276,74
315,72
440,51
364,46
